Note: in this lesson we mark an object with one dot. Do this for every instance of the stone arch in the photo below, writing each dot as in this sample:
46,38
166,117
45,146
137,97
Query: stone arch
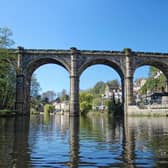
110,63
102,61
34,64
163,67
30,68
160,65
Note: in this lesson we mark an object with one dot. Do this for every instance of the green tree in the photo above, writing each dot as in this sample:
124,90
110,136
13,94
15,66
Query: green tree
85,102
7,70
50,95
155,82
98,89
97,101
152,71
109,103
5,38
114,83
36,100
35,86
63,95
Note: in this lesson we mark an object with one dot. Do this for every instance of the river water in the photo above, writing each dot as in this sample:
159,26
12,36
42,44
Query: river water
95,141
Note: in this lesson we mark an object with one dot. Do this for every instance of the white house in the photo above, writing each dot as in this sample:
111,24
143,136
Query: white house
61,106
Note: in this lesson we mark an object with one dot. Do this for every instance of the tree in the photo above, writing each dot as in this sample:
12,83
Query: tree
5,37
152,71
35,86
50,95
98,88
97,101
85,102
63,95
114,83
7,70
36,100
156,81
93,96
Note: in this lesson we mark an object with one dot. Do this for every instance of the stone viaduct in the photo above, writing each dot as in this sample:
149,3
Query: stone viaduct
75,62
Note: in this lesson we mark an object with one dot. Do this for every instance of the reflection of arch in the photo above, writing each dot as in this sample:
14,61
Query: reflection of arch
33,65
107,62
159,65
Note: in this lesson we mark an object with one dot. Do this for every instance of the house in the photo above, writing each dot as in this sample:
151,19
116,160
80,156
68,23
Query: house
113,92
60,106
158,98
138,84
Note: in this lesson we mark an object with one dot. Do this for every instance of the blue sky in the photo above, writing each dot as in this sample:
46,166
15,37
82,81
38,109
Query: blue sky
86,24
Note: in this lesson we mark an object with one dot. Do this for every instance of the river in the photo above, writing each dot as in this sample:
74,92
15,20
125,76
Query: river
94,141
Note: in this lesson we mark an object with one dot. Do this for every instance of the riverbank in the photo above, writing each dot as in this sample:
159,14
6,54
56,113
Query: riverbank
132,111
148,111
57,113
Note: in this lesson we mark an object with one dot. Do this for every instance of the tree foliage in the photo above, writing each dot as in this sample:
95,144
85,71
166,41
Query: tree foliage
114,84
48,108
50,95
5,37
93,97
35,86
152,71
99,88
155,83
63,95
85,102
7,70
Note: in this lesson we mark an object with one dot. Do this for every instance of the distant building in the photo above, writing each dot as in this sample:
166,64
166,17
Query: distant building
113,92
138,85
158,74
109,93
60,106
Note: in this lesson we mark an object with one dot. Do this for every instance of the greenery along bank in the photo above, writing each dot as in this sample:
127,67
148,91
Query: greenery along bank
8,70
156,81
96,98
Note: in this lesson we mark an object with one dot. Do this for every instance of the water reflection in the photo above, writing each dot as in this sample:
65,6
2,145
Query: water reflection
95,141
147,139
14,151
74,142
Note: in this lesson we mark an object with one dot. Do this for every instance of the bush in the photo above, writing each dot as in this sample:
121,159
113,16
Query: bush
85,107
48,108
34,111
85,102
113,106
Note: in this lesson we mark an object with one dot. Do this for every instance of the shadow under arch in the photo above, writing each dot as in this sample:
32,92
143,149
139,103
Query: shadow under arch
30,68
109,63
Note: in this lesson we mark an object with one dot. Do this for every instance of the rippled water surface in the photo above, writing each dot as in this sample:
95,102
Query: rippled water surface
95,141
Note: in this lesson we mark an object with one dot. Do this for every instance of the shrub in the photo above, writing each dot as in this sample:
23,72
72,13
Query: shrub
48,108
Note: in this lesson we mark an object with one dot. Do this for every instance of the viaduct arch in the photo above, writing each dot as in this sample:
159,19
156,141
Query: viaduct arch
75,62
